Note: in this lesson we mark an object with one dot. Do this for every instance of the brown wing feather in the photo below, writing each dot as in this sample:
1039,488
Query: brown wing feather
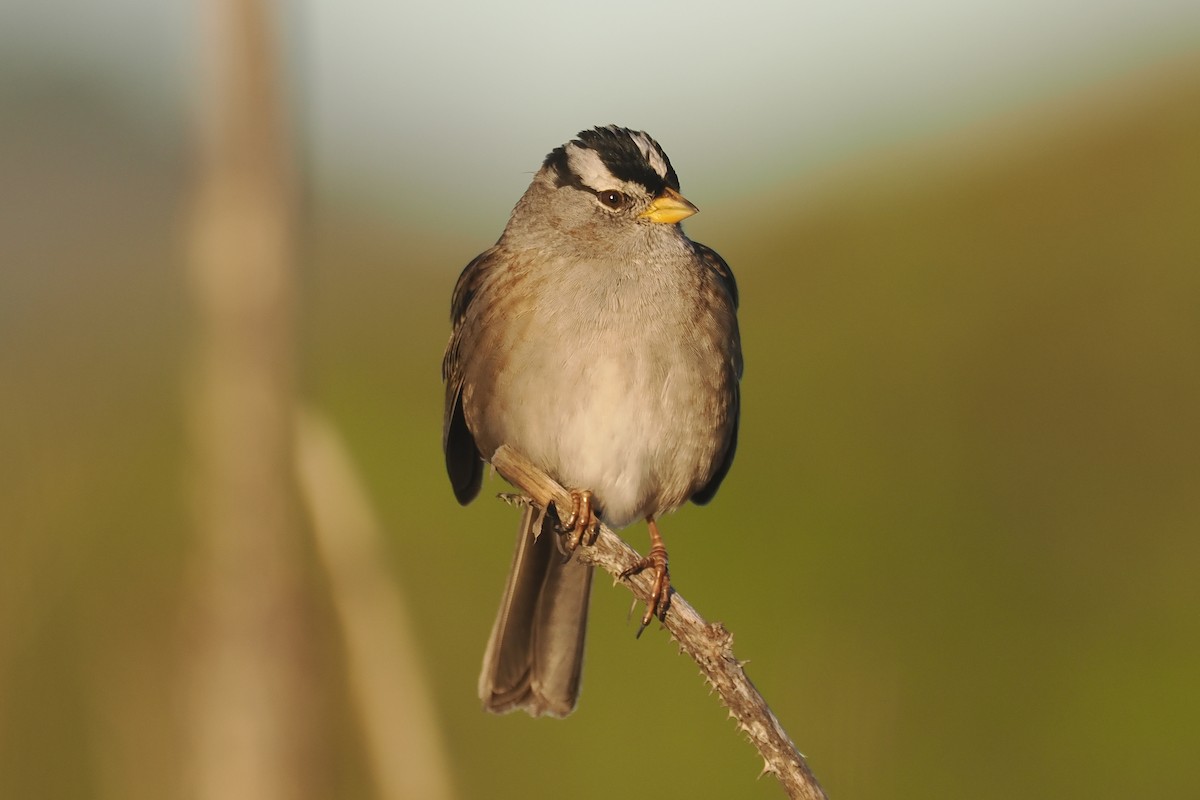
715,264
464,463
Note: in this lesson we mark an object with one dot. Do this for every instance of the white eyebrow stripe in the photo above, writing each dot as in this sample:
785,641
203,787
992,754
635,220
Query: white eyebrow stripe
586,164
650,153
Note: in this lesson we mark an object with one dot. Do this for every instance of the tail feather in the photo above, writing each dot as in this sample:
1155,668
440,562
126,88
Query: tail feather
534,657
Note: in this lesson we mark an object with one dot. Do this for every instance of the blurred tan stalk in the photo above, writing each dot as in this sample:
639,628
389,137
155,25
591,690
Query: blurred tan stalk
248,713
386,684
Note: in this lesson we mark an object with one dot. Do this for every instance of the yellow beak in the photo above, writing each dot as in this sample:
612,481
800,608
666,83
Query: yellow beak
669,207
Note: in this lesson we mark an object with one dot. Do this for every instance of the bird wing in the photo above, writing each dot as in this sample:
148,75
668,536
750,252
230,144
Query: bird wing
713,262
464,463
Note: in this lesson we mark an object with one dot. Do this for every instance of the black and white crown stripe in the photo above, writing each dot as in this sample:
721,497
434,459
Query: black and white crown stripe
600,155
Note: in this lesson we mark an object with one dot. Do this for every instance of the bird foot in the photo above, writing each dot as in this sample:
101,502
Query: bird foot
582,526
660,591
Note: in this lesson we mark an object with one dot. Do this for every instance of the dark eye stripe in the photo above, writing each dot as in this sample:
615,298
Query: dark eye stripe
563,176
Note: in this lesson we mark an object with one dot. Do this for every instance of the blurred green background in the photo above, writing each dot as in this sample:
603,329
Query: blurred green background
959,543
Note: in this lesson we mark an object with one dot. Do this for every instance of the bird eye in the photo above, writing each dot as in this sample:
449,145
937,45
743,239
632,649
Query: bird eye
611,198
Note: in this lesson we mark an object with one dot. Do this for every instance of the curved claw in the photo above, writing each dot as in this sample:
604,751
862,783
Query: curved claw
582,526
660,591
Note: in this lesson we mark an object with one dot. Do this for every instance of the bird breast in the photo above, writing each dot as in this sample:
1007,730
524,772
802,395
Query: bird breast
605,387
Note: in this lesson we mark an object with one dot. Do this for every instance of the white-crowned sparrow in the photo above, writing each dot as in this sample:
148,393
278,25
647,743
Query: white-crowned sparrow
598,340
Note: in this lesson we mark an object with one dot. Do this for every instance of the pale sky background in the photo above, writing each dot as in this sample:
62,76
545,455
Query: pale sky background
448,102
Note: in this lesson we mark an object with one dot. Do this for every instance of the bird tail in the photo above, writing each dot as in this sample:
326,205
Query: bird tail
534,657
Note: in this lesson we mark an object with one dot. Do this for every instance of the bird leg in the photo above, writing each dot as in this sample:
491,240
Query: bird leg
583,526
660,592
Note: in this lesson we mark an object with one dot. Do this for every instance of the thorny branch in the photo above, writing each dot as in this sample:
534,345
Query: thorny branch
708,644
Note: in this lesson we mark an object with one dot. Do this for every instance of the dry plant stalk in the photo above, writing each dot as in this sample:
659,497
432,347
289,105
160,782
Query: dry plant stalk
248,707
708,644
390,691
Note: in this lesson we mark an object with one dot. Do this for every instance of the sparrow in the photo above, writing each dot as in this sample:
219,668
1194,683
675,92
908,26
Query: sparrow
602,343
